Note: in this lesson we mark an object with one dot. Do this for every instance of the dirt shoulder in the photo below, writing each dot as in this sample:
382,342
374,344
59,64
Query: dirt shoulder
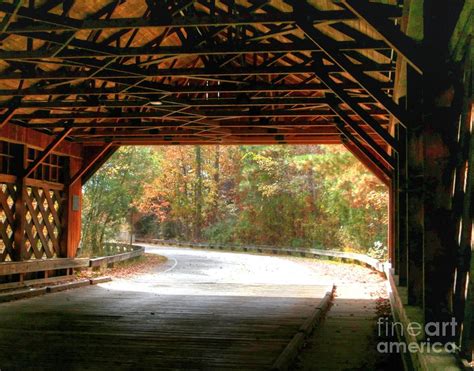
146,263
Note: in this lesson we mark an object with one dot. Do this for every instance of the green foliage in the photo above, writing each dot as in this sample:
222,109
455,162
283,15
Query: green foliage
110,193
222,231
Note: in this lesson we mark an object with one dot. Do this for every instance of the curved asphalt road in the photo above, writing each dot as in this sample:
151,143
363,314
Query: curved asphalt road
189,271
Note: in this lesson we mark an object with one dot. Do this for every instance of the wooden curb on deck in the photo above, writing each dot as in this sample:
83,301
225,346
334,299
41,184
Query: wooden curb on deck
288,355
29,293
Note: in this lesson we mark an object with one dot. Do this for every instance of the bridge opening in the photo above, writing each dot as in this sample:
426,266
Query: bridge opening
287,196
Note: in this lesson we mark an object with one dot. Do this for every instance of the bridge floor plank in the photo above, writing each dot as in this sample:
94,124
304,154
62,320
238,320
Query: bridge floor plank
227,326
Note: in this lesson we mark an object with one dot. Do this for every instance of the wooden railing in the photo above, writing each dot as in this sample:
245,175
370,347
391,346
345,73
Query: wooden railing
122,252
61,268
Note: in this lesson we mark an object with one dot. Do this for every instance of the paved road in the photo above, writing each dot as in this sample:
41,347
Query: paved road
190,271
202,310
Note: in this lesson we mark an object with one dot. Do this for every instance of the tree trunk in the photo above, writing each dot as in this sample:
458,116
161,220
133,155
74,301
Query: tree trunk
198,194
215,213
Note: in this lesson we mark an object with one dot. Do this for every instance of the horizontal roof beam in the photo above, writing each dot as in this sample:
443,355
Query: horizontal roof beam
216,130
48,22
170,102
229,140
213,73
145,125
177,51
183,114
161,89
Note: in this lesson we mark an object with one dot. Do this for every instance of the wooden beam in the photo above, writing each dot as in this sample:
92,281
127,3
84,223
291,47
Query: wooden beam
48,22
98,162
329,47
346,98
392,35
366,161
229,140
402,207
176,51
415,185
172,102
8,17
86,167
214,73
188,114
366,153
154,89
46,152
39,265
6,117
20,205
384,156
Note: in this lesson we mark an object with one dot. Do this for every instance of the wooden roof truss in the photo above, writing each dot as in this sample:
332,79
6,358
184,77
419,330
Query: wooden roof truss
205,71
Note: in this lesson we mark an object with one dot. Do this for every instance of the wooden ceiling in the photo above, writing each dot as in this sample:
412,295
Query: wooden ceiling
201,71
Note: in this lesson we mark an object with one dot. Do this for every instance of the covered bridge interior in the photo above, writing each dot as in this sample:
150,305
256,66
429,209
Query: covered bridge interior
390,80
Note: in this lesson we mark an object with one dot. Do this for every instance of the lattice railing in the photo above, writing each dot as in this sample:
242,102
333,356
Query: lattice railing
7,220
43,223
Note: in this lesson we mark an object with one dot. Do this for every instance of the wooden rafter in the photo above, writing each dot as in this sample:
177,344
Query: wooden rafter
100,154
364,151
366,161
200,71
385,157
48,22
392,35
346,98
334,55
46,152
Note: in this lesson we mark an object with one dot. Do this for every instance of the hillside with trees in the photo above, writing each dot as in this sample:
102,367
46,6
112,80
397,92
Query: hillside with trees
301,196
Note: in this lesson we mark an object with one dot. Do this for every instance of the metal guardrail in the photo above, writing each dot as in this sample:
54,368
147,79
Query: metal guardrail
264,249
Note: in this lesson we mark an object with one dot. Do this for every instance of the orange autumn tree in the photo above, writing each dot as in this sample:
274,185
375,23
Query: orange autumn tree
280,195
191,189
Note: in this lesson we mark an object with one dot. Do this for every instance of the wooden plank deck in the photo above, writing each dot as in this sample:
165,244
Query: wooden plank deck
220,326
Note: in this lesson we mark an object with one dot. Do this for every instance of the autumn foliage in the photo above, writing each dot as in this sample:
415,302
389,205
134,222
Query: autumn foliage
305,196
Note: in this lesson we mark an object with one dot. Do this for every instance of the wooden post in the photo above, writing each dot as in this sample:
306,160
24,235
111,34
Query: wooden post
74,211
392,216
464,299
65,207
20,205
415,209
402,208
442,106
440,153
